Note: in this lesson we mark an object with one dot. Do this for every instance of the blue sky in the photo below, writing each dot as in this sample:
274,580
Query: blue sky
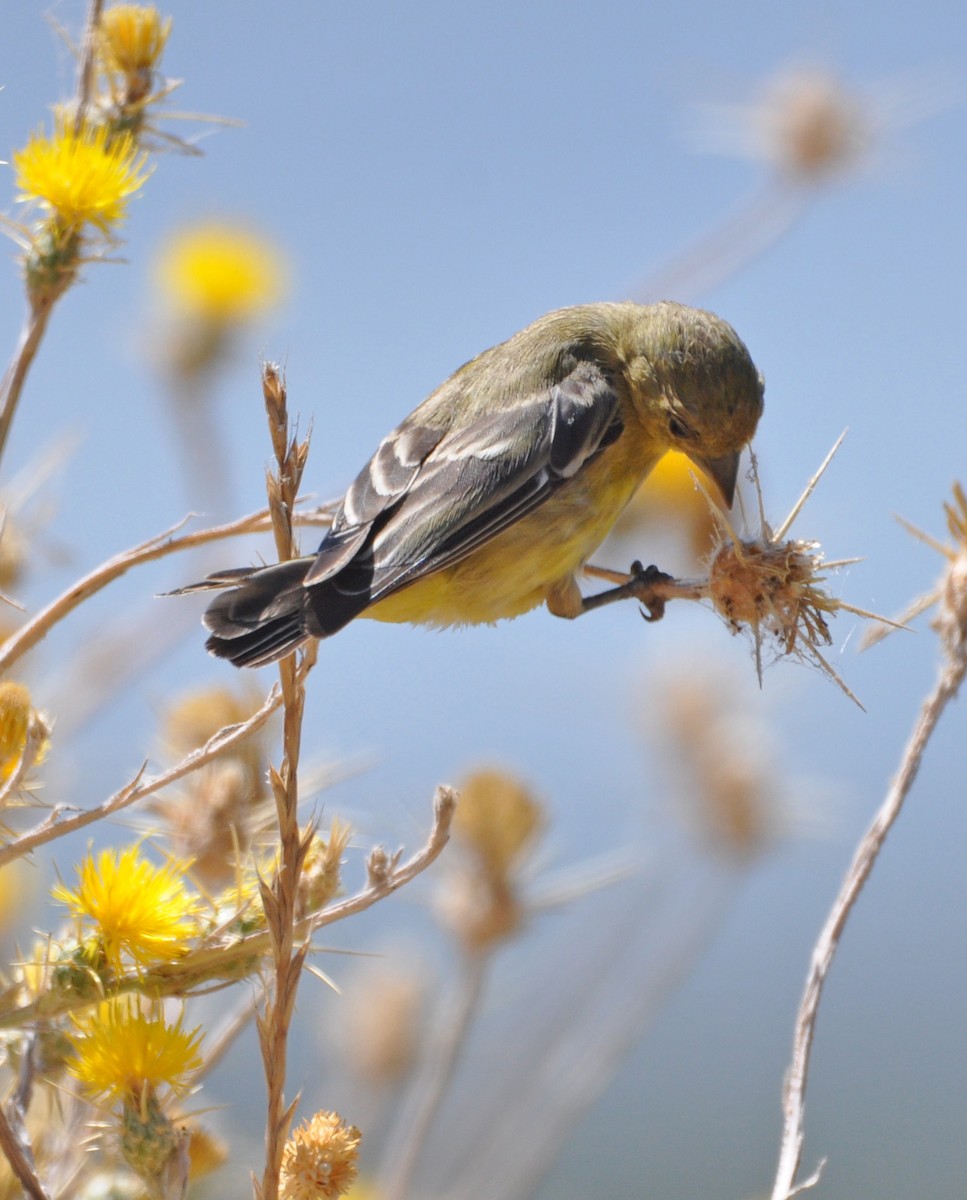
439,175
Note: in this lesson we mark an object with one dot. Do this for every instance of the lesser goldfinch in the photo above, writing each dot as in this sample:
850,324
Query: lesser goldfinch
488,499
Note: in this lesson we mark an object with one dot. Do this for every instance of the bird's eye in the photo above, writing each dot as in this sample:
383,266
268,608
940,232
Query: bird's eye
679,429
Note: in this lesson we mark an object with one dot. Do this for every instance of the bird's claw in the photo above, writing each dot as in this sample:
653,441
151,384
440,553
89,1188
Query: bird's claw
643,582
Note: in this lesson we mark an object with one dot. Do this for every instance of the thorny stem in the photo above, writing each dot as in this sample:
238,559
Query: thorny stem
790,1154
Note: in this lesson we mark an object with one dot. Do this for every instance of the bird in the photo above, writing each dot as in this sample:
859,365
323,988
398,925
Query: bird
489,498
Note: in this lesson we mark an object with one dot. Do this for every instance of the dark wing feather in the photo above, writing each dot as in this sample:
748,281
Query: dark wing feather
378,487
473,483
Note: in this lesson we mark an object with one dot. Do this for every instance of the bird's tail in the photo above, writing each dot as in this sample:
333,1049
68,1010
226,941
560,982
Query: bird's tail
262,614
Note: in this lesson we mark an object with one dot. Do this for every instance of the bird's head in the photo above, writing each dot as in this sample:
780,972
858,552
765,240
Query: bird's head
699,390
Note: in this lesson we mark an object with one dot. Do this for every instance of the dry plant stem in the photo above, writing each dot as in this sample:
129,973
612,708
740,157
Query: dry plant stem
57,825
85,68
279,895
16,1150
36,322
34,328
419,1114
444,805
14,1138
37,628
794,1097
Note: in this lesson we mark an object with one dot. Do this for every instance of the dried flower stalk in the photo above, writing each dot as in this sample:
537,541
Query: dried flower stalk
951,625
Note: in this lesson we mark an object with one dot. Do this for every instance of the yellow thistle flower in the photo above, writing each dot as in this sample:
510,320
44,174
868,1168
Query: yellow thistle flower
220,273
140,911
320,1159
132,38
19,723
124,1053
80,178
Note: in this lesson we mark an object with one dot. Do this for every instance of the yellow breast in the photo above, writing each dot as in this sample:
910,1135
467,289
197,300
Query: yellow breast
512,573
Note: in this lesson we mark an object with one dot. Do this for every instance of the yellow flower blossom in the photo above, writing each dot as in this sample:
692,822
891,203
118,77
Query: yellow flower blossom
18,725
124,1053
220,273
320,1159
140,911
132,38
80,178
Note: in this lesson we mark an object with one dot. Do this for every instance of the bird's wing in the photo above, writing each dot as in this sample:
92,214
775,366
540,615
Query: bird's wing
377,489
472,483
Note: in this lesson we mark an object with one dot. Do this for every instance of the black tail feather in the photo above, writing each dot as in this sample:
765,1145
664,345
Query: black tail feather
262,614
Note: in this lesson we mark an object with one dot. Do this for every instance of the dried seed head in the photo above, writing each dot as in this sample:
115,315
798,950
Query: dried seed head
497,819
213,815
812,126
211,820
320,1159
773,588
951,619
496,823
717,753
24,732
319,880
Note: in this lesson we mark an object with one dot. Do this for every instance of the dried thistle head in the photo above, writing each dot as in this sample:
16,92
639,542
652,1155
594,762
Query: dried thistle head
949,596
497,823
212,817
812,126
319,880
775,587
951,619
717,754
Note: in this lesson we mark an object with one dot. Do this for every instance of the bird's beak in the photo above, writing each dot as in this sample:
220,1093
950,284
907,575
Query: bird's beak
725,472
